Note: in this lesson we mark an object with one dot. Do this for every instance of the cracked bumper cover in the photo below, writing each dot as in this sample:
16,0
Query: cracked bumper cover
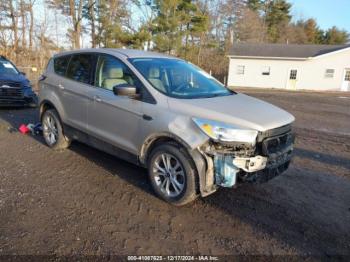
252,164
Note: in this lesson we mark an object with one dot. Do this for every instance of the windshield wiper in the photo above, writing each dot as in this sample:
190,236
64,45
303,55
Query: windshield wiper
215,95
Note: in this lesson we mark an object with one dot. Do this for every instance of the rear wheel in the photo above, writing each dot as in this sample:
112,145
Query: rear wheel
53,131
173,174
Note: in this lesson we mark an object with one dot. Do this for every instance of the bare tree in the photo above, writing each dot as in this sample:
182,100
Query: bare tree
92,18
23,10
14,23
74,10
148,13
250,27
31,23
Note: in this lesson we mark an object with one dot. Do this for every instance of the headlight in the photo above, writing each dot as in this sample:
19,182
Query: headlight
225,132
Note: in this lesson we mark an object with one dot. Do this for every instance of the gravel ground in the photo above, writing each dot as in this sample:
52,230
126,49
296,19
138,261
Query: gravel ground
84,202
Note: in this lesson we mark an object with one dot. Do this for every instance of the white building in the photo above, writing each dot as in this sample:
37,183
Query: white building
311,67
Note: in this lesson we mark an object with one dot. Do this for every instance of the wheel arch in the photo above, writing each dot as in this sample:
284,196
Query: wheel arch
151,142
44,106
201,163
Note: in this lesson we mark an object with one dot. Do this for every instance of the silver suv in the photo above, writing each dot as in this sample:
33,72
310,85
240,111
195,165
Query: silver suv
192,133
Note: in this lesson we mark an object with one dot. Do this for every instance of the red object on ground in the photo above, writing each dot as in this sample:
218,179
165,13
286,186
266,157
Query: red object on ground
23,129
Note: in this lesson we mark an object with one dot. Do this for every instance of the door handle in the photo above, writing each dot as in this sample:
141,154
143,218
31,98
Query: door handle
147,117
97,99
61,87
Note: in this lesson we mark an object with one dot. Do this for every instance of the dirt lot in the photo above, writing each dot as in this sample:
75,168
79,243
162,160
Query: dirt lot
83,201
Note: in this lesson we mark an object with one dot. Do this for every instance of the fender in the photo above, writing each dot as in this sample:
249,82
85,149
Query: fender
152,139
52,100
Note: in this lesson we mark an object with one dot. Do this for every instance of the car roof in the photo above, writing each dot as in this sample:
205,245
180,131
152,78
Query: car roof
128,53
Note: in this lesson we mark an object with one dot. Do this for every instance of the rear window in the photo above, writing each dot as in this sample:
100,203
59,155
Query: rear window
61,64
80,68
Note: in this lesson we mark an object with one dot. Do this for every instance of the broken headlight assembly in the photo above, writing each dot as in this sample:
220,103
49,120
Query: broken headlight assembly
223,132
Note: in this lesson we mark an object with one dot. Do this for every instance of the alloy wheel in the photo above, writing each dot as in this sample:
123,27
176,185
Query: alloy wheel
169,175
50,130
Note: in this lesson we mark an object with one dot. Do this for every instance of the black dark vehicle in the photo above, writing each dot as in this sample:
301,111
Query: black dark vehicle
15,88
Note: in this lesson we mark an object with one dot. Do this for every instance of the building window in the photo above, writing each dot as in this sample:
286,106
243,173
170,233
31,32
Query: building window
329,73
293,74
265,71
347,76
240,70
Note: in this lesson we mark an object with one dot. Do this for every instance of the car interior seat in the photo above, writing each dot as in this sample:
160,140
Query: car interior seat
114,77
154,78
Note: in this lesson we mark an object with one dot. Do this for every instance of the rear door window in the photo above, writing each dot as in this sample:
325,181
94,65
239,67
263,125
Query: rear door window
61,64
81,68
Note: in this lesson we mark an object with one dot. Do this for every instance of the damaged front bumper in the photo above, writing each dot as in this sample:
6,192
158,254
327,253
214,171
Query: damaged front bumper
230,165
230,170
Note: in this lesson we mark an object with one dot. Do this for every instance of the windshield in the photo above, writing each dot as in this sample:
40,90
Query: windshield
178,78
7,68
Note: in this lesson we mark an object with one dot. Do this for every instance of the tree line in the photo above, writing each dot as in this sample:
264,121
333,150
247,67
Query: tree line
202,31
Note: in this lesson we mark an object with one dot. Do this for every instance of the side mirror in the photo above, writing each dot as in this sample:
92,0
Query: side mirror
22,73
125,90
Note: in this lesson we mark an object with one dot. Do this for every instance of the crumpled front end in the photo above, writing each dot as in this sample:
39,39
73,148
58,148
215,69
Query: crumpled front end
232,163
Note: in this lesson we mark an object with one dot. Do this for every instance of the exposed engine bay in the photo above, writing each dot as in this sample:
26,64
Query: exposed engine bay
234,163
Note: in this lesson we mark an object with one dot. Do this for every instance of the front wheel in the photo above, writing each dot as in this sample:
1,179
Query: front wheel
173,174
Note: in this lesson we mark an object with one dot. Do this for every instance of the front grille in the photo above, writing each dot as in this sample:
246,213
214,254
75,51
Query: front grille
10,84
277,144
11,92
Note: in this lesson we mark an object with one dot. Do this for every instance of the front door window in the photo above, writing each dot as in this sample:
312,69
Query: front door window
111,72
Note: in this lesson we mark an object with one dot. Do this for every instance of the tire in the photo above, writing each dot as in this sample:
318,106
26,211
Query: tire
52,127
182,184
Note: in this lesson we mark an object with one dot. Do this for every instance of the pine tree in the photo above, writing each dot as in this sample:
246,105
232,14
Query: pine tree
277,18
178,23
110,17
255,5
312,31
166,25
335,36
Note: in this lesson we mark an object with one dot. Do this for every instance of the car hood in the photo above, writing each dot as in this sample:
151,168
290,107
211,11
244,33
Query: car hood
14,78
239,110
